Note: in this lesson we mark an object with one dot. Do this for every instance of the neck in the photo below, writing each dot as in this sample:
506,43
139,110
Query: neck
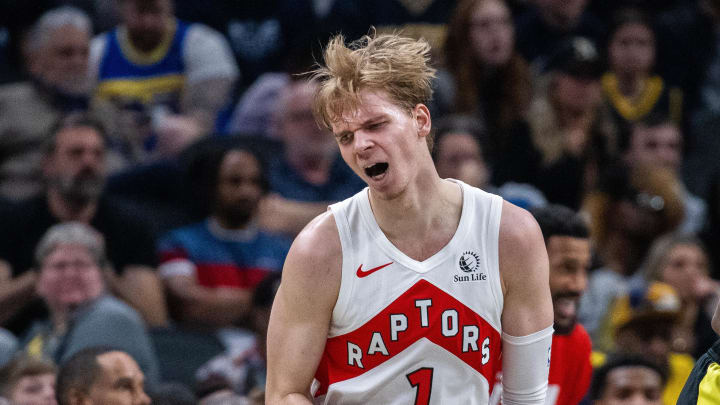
411,215
65,210
630,84
230,224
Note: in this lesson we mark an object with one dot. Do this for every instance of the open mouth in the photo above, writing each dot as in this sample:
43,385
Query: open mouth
376,170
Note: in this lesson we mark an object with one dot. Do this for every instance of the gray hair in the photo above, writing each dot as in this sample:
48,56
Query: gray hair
54,19
71,233
657,255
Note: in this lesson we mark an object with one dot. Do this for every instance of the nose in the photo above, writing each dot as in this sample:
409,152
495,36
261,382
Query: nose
362,141
143,399
658,348
638,398
578,282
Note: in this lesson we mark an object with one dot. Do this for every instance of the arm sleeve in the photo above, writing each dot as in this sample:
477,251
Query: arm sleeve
208,55
526,364
173,258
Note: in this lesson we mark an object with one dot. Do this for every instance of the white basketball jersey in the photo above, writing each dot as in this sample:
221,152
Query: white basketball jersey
409,332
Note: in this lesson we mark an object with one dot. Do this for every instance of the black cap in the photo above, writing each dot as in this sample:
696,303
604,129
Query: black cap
577,57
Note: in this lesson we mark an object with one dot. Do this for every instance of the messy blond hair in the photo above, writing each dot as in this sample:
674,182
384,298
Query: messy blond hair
397,65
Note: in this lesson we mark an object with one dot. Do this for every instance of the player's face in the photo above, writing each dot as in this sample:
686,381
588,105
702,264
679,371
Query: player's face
34,390
569,260
383,143
121,382
632,49
492,34
239,187
634,385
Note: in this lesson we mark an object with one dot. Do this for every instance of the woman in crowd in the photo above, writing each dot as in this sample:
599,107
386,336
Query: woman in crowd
632,91
682,262
485,76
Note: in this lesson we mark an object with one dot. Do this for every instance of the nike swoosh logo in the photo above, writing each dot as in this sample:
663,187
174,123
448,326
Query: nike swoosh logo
360,273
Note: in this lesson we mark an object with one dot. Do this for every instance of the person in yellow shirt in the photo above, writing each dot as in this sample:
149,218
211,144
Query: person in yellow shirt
703,385
642,323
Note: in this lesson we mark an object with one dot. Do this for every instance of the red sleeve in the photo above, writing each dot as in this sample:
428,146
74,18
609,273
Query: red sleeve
584,367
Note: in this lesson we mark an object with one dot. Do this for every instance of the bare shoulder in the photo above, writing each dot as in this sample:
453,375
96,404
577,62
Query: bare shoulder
315,257
521,245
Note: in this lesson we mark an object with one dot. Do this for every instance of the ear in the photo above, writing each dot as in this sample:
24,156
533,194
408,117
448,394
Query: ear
422,119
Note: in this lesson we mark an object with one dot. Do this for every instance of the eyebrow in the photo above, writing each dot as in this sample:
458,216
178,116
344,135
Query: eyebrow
371,120
123,382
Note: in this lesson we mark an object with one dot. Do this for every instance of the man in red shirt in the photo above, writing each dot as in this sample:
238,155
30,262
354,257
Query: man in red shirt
567,241
566,238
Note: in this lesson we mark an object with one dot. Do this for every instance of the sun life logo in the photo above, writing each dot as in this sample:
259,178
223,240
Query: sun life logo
469,262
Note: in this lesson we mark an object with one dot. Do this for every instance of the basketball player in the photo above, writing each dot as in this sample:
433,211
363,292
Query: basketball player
409,291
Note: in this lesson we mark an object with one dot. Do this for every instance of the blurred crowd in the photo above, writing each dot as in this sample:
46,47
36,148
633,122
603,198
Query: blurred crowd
158,156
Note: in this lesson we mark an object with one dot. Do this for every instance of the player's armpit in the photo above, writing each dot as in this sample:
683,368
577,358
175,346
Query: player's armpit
302,311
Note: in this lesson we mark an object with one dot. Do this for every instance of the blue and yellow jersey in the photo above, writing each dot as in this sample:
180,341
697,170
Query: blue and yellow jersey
703,385
130,78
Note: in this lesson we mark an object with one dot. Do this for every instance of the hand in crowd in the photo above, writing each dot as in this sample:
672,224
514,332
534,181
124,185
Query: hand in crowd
175,132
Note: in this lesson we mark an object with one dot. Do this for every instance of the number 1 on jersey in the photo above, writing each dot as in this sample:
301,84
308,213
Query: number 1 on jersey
422,379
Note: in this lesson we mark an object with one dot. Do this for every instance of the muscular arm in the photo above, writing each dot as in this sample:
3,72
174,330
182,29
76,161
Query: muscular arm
527,314
302,310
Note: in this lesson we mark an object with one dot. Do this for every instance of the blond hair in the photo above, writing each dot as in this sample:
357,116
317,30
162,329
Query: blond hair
397,65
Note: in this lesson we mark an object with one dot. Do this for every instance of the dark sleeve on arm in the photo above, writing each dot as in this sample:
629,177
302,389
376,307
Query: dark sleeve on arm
706,373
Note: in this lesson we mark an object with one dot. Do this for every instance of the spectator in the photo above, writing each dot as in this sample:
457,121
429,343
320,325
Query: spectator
642,322
568,244
101,376
628,379
8,346
658,140
492,81
74,171
568,124
244,371
567,240
702,385
628,211
211,268
57,60
309,174
632,90
417,19
169,79
542,28
28,381
682,262
70,258
460,151
490,78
